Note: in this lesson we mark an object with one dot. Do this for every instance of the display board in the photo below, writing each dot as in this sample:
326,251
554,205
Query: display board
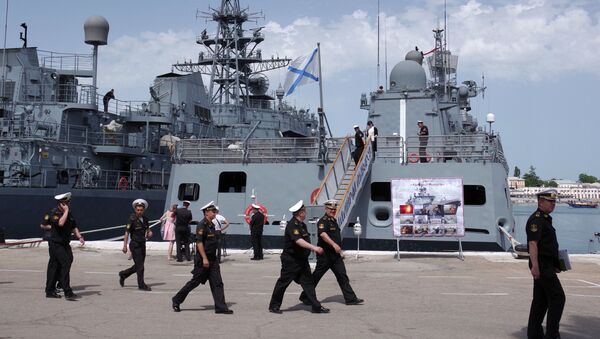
428,207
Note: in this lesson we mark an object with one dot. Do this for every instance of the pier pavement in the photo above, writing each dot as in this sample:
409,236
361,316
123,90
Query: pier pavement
421,296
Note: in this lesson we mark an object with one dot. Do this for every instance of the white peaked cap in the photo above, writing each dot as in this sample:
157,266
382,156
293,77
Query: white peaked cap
212,203
139,202
255,206
297,206
355,126
64,196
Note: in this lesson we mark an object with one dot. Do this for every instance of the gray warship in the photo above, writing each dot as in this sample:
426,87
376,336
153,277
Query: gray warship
263,156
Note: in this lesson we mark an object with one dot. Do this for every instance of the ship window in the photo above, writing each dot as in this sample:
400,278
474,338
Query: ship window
189,192
474,194
232,182
381,191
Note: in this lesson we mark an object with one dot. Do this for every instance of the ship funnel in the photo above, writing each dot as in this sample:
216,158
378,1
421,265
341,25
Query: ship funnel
96,30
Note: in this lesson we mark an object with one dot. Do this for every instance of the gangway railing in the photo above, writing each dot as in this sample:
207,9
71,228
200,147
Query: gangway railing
333,179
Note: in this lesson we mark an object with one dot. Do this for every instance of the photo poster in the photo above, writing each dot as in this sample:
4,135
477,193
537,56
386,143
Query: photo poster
428,207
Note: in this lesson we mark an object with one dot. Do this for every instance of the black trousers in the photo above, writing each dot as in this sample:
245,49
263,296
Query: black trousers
422,151
200,276
182,242
548,296
59,267
335,263
357,153
256,233
294,270
138,252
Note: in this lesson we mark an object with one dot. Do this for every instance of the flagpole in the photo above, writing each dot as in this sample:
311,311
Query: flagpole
320,75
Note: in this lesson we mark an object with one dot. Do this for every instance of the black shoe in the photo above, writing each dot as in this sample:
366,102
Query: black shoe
179,260
176,307
356,301
275,309
319,309
121,280
224,312
71,296
254,258
305,301
53,294
145,288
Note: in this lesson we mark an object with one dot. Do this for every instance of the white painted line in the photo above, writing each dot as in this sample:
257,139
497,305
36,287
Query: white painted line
108,273
519,277
271,276
587,282
477,294
446,276
31,271
584,295
157,292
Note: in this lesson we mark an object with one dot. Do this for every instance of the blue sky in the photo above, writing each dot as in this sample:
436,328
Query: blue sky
539,58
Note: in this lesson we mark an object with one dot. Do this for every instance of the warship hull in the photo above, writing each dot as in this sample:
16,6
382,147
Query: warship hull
24,208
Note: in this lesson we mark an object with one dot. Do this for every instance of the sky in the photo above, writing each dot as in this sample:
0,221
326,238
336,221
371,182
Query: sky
539,58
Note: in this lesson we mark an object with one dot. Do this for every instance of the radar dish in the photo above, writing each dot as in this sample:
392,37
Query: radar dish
258,84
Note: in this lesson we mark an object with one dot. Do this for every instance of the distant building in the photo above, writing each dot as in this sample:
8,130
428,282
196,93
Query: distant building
515,182
567,190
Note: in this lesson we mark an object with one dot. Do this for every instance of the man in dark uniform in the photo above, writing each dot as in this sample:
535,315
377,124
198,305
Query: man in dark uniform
548,294
183,218
257,223
138,228
294,262
107,97
62,224
330,240
359,143
423,139
206,264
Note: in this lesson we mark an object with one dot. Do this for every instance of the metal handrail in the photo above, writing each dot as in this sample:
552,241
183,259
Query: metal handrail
345,144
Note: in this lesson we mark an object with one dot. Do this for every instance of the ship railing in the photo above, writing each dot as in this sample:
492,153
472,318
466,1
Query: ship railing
54,93
137,108
258,150
66,61
453,148
19,174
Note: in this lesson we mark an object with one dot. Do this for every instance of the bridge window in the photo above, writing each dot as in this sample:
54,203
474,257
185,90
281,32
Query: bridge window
381,191
189,192
474,194
232,182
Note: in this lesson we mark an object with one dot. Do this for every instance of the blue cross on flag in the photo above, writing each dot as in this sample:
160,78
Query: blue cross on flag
303,70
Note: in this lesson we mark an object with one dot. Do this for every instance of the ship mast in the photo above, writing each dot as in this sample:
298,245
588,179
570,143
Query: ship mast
232,55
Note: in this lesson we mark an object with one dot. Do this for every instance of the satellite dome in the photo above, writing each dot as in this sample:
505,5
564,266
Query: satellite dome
96,30
407,75
414,55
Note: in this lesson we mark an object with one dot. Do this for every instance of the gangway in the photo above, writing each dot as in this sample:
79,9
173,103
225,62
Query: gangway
344,181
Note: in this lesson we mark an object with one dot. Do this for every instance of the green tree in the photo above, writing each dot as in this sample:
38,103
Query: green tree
587,179
550,183
532,179
517,172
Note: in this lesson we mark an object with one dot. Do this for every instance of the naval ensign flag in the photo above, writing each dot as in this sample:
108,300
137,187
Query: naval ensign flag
302,70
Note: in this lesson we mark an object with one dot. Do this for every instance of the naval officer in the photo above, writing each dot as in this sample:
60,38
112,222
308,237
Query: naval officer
206,264
548,294
330,240
139,230
294,262
183,219
359,144
62,224
257,223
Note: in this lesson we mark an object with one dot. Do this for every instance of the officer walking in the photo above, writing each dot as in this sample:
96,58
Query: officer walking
257,223
62,224
359,143
183,218
330,240
206,264
139,230
548,294
294,262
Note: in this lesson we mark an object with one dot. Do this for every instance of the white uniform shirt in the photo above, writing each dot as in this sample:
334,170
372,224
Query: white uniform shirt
218,221
371,133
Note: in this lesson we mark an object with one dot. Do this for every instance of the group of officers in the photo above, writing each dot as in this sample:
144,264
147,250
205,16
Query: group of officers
294,257
548,295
